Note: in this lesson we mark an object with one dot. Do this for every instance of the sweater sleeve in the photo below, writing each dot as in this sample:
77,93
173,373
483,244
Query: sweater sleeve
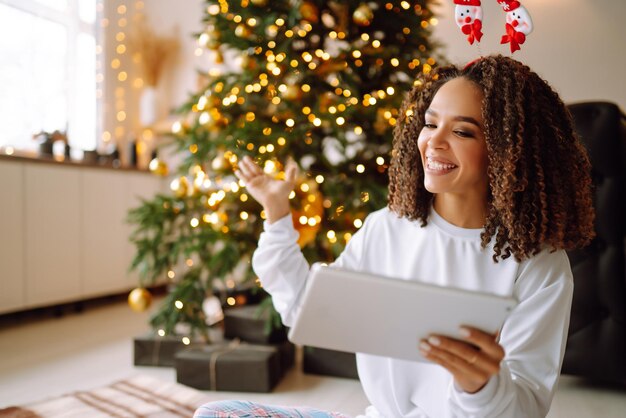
282,268
533,338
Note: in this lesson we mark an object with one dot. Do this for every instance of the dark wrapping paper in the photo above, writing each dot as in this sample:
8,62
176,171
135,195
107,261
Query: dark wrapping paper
287,353
230,367
329,362
246,324
152,350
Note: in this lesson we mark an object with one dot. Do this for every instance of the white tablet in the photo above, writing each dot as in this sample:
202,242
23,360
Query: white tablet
358,312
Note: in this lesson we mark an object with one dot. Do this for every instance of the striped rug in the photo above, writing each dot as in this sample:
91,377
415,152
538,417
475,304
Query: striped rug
139,396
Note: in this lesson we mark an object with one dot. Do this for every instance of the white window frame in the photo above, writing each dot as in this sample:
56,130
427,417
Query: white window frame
71,20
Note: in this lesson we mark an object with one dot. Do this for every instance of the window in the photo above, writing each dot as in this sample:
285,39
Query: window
48,71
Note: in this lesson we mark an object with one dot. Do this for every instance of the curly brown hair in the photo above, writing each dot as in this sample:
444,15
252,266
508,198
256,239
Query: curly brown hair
539,173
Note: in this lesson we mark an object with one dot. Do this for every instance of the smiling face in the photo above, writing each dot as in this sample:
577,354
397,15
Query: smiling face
521,20
467,14
452,143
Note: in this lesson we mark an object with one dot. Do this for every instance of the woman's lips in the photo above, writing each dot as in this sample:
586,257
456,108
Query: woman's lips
438,166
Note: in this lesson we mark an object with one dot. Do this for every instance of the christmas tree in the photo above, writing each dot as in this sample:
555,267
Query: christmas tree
319,81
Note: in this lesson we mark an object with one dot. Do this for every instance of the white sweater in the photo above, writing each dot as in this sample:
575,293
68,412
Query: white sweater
533,336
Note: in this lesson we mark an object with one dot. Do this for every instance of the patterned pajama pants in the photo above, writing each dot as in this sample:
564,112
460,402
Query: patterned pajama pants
237,409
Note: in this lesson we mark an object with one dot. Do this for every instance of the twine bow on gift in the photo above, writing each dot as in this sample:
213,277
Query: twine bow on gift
155,352
232,346
514,37
473,31
213,361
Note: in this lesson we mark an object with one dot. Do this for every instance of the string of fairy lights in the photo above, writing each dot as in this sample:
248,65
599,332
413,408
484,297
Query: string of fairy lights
336,104
125,83
275,83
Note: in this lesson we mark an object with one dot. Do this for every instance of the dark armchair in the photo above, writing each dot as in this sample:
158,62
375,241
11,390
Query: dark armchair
595,346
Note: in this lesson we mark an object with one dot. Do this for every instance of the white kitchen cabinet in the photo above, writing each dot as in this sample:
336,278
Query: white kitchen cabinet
104,207
12,281
63,231
52,233
107,197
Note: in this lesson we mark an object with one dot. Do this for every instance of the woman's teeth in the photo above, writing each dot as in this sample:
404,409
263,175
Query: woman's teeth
436,165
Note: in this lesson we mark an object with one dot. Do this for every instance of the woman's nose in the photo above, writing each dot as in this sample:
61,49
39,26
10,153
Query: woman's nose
437,139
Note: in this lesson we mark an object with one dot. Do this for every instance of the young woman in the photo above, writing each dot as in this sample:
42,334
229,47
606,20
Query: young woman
489,186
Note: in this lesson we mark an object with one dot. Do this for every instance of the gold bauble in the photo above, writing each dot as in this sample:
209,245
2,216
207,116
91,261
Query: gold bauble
242,31
248,62
381,125
309,12
259,3
182,187
139,299
329,21
327,100
219,57
271,31
293,92
328,67
158,167
220,163
310,209
341,10
214,36
363,15
306,235
274,168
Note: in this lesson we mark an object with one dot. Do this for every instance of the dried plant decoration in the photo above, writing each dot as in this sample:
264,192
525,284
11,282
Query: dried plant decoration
153,51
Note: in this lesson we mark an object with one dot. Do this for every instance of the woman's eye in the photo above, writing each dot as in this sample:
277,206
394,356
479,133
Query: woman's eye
464,134
430,125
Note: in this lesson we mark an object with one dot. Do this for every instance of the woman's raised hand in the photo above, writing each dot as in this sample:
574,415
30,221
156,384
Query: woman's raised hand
271,193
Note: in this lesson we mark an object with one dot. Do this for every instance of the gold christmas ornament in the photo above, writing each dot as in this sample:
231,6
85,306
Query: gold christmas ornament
308,219
329,67
259,3
220,163
139,299
381,125
293,92
213,38
242,31
363,15
158,167
247,62
274,168
327,100
328,20
180,187
309,12
342,13
219,57
271,31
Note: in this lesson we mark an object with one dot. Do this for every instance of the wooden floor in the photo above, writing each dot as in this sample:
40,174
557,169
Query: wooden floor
46,356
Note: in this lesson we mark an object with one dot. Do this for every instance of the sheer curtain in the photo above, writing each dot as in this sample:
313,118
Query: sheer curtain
48,71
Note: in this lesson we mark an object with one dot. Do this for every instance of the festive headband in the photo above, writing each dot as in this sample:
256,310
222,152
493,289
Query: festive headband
469,17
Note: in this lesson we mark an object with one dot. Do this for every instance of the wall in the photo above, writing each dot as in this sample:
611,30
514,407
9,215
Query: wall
577,45
181,19
168,19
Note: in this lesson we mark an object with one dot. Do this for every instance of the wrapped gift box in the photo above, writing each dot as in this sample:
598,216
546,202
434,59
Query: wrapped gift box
249,323
153,350
287,353
329,362
234,367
